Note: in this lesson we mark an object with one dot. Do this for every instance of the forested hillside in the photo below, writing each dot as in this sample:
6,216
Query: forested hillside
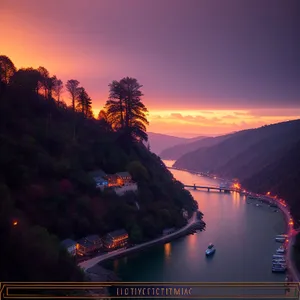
263,159
179,150
46,152
244,153
158,142
281,178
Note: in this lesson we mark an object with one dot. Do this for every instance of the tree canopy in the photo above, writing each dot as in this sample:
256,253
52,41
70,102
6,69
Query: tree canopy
46,190
125,110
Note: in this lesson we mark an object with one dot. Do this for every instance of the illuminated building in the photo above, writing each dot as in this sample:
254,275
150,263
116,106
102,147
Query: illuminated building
116,239
123,178
70,246
89,244
99,177
112,180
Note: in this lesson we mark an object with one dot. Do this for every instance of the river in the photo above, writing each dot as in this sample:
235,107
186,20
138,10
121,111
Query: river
243,234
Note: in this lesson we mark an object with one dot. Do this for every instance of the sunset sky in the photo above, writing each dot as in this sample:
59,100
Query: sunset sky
206,66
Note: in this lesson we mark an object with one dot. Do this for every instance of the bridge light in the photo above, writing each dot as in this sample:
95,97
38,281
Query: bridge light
237,186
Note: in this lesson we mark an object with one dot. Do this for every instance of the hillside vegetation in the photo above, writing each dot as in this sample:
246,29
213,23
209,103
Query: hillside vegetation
175,152
282,178
244,153
46,152
158,142
263,159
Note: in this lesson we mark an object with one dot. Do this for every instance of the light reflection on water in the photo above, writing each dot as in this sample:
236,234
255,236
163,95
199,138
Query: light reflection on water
167,250
242,233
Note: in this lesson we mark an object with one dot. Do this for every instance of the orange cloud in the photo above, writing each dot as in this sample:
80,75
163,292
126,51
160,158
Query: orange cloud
204,122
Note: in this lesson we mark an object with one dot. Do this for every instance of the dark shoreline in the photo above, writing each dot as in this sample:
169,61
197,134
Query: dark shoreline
98,273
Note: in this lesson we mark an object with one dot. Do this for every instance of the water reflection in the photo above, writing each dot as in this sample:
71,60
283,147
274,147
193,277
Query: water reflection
192,246
236,228
236,199
167,251
116,264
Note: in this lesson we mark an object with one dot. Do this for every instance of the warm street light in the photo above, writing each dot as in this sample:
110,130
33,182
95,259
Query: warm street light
15,223
236,186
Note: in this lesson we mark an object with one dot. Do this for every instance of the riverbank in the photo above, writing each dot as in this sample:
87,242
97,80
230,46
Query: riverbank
291,239
294,272
99,274
192,225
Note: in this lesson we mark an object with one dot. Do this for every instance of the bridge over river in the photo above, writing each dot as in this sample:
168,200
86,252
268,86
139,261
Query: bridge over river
216,188
243,233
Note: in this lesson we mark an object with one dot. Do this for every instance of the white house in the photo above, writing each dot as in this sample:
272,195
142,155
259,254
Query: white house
70,246
100,179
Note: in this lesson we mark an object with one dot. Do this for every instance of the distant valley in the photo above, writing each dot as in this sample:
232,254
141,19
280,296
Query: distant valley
158,142
263,159
176,151
244,152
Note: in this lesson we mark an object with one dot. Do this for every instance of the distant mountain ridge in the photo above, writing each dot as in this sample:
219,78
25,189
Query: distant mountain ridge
282,178
175,152
158,142
244,153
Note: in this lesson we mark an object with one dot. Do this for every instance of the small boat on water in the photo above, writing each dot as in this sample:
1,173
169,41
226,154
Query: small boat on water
280,250
282,236
279,268
279,261
282,265
210,250
280,239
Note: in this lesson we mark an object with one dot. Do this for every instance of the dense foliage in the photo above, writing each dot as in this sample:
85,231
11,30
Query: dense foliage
281,178
46,152
263,159
125,110
244,153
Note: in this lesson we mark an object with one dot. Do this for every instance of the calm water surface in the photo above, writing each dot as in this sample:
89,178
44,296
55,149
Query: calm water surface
242,233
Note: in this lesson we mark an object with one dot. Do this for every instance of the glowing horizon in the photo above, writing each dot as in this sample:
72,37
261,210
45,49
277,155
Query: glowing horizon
194,122
194,83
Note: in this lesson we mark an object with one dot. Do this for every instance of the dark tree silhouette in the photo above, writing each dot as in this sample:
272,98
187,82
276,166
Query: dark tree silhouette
102,115
125,110
115,106
58,87
28,79
84,103
45,184
7,69
72,88
50,84
103,119
44,81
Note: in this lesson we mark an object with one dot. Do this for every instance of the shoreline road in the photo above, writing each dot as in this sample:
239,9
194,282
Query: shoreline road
291,239
85,265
